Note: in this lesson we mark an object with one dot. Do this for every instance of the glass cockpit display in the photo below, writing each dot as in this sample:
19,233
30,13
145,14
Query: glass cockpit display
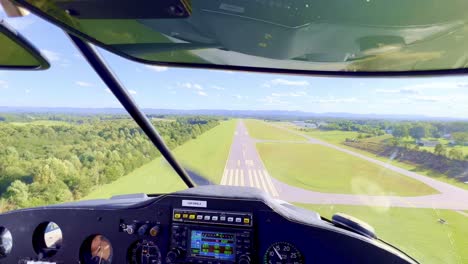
216,245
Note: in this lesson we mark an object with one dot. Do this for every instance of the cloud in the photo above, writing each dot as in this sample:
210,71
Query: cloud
189,85
3,84
20,23
217,88
285,82
291,94
273,101
108,90
332,100
238,96
27,91
201,93
157,68
51,55
132,91
84,84
421,87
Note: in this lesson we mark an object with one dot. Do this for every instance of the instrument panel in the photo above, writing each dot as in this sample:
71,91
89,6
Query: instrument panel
203,225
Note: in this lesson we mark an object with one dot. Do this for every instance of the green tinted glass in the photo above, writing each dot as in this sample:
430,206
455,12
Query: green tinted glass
318,35
17,53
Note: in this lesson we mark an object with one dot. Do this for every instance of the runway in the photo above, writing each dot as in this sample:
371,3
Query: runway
244,167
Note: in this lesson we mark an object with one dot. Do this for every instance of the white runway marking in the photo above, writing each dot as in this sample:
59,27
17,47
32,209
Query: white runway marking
257,184
236,179
262,180
251,179
274,192
242,178
224,179
231,172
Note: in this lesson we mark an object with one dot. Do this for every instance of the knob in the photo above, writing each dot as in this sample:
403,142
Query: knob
174,254
244,259
142,230
130,229
154,231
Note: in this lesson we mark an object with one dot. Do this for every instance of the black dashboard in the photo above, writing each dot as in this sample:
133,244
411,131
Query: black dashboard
203,225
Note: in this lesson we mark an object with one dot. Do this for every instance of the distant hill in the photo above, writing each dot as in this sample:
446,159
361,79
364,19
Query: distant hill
267,114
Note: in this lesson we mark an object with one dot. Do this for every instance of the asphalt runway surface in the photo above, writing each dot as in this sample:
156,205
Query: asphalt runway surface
244,167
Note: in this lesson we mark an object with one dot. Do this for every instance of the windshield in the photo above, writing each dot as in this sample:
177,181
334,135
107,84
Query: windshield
392,152
331,35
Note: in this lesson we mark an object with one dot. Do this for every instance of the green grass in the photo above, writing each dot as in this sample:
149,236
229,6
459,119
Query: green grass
323,169
415,231
262,130
335,137
338,137
205,155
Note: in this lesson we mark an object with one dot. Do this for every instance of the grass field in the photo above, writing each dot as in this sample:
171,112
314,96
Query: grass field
415,231
338,137
323,169
262,130
205,155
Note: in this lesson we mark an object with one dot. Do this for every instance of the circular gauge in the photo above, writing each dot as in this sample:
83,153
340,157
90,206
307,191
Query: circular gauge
144,252
283,253
6,242
47,239
96,250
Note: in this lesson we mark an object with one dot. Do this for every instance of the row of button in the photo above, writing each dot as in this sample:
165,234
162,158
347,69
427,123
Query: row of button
239,220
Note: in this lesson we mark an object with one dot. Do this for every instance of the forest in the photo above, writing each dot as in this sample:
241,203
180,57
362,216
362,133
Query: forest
47,159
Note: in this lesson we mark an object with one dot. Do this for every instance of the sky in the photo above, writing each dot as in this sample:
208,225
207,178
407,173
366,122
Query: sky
70,82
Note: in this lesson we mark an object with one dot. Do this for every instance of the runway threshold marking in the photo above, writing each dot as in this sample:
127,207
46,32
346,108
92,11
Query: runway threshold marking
251,178
262,180
236,178
242,178
223,180
274,192
257,184
231,172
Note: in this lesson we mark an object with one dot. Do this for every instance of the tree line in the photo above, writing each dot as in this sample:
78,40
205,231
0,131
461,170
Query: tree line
46,164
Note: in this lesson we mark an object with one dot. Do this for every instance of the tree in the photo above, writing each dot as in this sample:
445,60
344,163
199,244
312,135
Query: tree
440,150
418,131
18,193
45,175
460,138
456,154
400,131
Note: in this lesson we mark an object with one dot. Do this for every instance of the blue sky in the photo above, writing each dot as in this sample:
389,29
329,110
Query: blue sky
71,83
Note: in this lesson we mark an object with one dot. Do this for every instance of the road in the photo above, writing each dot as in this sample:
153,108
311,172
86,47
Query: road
244,167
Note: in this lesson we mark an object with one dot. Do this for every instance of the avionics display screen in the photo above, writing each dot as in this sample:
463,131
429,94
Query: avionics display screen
216,245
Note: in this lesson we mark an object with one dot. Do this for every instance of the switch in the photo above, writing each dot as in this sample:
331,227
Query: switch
192,217
176,216
246,221
130,229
